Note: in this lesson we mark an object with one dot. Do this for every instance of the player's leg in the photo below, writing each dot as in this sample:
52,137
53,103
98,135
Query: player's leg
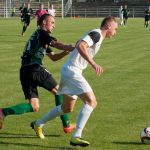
22,108
51,84
145,22
48,82
38,130
30,92
124,21
24,28
67,127
14,110
121,20
26,24
52,114
148,23
83,116
67,106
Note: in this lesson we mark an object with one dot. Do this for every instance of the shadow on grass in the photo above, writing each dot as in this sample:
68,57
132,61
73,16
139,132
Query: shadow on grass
35,145
13,135
130,143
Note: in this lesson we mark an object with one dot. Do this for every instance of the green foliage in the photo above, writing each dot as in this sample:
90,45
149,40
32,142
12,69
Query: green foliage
122,91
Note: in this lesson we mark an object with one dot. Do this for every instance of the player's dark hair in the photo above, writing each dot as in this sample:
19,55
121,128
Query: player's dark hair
107,20
43,17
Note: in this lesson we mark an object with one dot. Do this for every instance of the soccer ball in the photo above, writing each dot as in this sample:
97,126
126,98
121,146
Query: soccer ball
145,135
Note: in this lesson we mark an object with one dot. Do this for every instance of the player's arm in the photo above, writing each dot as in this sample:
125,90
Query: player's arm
55,43
82,47
56,56
46,39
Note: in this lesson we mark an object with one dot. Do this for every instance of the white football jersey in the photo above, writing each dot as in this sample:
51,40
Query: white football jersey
52,12
94,39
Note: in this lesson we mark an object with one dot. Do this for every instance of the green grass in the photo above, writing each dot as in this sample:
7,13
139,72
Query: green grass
123,90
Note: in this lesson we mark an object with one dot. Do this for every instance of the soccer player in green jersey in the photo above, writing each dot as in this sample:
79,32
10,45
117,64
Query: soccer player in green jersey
147,17
22,13
32,74
27,13
126,12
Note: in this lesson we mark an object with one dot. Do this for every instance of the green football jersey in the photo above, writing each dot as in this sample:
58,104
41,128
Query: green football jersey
35,50
125,12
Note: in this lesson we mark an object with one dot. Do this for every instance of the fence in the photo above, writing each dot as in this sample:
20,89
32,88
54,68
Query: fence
105,11
99,11
7,5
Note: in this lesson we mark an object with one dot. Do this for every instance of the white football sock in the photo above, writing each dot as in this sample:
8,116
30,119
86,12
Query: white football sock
55,112
82,119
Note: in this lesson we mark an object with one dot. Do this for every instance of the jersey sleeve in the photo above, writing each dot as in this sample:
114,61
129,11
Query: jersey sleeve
48,50
45,38
92,38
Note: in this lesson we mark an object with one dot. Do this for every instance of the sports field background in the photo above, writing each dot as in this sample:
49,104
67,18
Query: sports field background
122,91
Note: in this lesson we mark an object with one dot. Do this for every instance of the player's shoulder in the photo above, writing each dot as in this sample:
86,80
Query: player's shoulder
39,30
42,33
95,35
44,12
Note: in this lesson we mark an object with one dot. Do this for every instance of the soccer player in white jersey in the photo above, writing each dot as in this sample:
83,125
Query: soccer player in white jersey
121,15
73,84
52,11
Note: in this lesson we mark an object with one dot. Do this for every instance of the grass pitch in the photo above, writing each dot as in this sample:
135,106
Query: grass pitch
123,90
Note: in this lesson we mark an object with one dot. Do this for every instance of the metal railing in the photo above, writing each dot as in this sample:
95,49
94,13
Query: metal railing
137,11
102,12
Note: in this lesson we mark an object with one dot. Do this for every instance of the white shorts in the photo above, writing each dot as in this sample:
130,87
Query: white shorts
73,83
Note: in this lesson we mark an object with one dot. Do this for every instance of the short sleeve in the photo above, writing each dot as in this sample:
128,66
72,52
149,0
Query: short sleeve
48,50
45,38
92,38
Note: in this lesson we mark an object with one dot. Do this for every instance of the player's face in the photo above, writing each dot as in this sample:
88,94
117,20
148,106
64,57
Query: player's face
50,24
112,29
41,7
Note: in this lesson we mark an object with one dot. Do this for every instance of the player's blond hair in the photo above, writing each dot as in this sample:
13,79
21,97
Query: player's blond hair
107,20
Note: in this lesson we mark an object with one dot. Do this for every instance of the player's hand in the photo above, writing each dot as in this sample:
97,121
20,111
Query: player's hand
71,47
98,69
66,52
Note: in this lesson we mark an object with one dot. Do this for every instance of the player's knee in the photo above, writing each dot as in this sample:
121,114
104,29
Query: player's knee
35,108
35,104
93,103
55,90
67,110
